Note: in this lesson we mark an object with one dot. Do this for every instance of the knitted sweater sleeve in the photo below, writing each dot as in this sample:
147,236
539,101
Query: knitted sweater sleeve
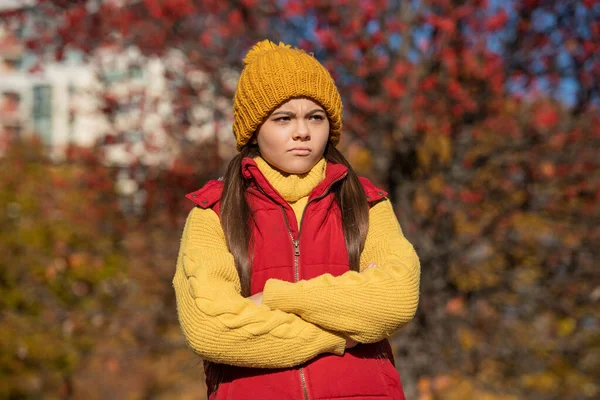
368,305
222,326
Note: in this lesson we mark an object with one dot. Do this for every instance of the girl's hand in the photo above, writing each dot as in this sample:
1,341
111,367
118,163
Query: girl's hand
350,343
256,298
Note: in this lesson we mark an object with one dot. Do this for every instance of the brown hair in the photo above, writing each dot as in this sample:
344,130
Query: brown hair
237,219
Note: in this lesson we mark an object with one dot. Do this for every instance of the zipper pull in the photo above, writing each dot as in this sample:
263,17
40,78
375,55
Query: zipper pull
296,244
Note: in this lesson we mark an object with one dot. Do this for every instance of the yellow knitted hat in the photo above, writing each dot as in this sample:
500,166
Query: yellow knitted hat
272,75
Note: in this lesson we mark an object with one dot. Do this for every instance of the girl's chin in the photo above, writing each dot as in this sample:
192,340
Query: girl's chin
299,165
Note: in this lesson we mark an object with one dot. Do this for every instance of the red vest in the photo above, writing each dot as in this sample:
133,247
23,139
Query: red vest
282,252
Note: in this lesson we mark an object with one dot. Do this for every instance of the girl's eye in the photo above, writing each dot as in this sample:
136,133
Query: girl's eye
282,119
318,117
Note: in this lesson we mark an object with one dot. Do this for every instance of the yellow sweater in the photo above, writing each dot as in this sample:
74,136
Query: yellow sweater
297,321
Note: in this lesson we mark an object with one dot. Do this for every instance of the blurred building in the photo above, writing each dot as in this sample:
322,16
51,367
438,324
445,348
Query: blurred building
117,98
65,103
50,103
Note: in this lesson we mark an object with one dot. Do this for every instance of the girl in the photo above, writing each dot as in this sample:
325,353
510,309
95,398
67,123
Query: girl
293,270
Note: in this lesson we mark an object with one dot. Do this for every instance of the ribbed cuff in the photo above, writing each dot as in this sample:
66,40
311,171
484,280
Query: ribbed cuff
339,345
280,295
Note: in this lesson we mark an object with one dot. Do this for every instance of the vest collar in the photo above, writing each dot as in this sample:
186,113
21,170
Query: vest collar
333,173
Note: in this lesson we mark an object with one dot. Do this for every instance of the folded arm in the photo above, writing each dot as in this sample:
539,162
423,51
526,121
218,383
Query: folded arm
222,326
368,305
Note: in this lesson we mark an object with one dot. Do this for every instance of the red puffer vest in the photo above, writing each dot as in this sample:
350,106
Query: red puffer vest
282,251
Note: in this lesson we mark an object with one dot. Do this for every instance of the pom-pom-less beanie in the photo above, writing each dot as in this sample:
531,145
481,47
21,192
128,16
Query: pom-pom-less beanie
272,75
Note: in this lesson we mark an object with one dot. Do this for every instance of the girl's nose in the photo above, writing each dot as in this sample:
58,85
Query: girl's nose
302,132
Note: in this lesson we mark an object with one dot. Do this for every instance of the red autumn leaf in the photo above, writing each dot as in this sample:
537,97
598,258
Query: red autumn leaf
360,99
206,39
179,8
401,68
589,47
36,68
154,8
429,82
448,192
470,196
454,89
456,306
377,38
326,38
235,17
558,140
294,8
445,24
448,57
545,118
394,87
497,21
457,110
75,16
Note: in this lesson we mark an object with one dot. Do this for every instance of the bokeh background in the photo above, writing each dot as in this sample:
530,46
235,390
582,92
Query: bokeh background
480,117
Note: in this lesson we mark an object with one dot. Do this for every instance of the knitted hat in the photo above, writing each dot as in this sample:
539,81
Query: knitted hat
272,75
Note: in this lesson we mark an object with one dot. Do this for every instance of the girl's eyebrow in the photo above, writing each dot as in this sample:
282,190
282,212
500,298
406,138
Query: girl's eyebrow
288,113
291,114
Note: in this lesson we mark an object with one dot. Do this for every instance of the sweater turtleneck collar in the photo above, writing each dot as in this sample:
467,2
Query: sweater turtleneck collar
293,187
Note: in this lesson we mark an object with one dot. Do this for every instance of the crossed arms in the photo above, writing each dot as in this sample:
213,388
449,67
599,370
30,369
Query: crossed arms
297,321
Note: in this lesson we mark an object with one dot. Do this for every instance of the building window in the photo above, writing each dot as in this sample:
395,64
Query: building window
14,63
10,118
72,110
42,112
136,72
10,102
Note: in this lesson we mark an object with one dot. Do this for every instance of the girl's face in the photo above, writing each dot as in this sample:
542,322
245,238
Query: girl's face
294,136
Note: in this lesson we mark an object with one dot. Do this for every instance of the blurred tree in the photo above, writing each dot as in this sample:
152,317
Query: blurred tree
60,271
554,50
84,289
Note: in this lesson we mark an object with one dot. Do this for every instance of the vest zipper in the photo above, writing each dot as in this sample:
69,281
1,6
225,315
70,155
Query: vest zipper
296,244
